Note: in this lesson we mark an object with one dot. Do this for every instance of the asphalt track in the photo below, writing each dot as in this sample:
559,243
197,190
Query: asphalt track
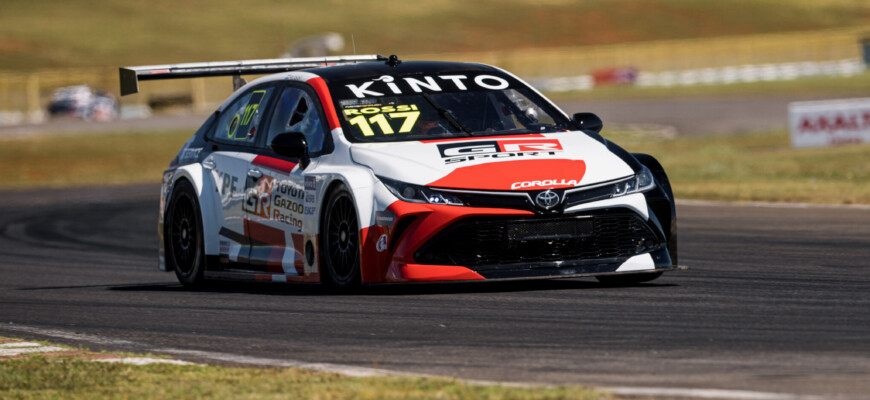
686,116
776,300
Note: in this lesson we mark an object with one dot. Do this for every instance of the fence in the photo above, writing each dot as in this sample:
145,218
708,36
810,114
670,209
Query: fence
28,93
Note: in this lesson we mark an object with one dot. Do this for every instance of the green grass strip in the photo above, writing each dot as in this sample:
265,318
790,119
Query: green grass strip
87,159
758,167
39,377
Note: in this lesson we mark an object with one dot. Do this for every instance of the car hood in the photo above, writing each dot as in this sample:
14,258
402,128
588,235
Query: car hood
516,162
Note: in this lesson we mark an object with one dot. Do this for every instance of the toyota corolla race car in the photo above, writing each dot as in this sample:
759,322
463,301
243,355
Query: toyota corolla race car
366,169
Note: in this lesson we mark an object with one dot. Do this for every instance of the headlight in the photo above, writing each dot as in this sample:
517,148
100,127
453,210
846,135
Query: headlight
641,182
419,194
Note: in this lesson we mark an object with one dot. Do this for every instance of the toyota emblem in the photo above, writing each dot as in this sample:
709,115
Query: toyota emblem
547,199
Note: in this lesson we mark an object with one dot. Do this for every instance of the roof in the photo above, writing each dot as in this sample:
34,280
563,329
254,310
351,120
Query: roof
374,69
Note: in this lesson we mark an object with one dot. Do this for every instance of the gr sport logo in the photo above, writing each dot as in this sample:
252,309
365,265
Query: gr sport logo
468,151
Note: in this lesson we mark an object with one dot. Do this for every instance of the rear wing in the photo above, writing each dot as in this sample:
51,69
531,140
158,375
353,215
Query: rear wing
130,76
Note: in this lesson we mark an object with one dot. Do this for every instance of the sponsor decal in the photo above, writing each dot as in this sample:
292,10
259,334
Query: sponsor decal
493,149
310,183
385,218
504,174
382,243
310,196
829,122
275,200
228,186
544,183
837,122
387,85
189,154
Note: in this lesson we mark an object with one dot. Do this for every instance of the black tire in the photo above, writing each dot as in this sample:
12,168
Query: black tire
340,245
184,236
627,279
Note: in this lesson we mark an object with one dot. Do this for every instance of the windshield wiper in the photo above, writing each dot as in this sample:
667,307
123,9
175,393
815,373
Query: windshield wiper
448,115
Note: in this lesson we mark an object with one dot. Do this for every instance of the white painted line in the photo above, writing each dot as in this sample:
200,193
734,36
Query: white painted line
706,393
763,204
18,344
76,336
354,371
225,357
142,361
25,350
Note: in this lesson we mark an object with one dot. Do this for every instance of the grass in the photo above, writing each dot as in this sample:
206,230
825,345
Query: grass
758,167
110,33
82,160
753,167
39,377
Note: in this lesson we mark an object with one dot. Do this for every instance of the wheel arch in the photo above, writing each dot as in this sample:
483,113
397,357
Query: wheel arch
208,201
360,183
661,202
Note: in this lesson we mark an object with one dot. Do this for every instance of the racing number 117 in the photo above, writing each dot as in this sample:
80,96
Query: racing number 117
365,124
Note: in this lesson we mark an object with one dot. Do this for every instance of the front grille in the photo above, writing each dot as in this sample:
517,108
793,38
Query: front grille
479,242
524,200
518,200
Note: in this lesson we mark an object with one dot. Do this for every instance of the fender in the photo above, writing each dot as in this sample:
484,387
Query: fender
337,167
661,201
209,204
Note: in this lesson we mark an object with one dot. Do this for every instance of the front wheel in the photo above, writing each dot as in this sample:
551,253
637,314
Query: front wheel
627,279
340,254
184,238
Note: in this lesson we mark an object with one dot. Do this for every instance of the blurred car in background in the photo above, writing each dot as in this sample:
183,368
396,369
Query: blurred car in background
85,102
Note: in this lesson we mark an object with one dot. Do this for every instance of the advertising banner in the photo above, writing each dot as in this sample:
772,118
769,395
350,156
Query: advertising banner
829,123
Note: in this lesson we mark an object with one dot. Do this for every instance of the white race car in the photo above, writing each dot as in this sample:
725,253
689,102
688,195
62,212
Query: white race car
366,169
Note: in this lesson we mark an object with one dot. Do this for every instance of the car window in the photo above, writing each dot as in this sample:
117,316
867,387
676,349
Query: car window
296,112
238,122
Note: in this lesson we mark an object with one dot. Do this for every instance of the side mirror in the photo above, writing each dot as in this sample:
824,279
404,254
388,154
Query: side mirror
588,122
292,145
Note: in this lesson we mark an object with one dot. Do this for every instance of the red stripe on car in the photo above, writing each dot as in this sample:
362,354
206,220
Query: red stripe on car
274,164
515,175
272,237
431,273
322,90
533,135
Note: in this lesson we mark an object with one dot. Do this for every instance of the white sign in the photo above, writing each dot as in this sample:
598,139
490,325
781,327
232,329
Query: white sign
829,123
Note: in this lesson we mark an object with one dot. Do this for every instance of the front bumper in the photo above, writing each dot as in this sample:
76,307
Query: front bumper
447,243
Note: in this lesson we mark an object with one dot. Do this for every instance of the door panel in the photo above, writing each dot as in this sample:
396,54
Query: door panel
229,172
275,211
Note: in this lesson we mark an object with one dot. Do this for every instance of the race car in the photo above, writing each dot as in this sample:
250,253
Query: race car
366,169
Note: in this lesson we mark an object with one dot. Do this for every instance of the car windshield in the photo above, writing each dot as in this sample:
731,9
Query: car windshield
437,115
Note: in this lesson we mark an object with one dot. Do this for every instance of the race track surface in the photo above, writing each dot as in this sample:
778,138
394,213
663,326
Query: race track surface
687,116
776,300
694,116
